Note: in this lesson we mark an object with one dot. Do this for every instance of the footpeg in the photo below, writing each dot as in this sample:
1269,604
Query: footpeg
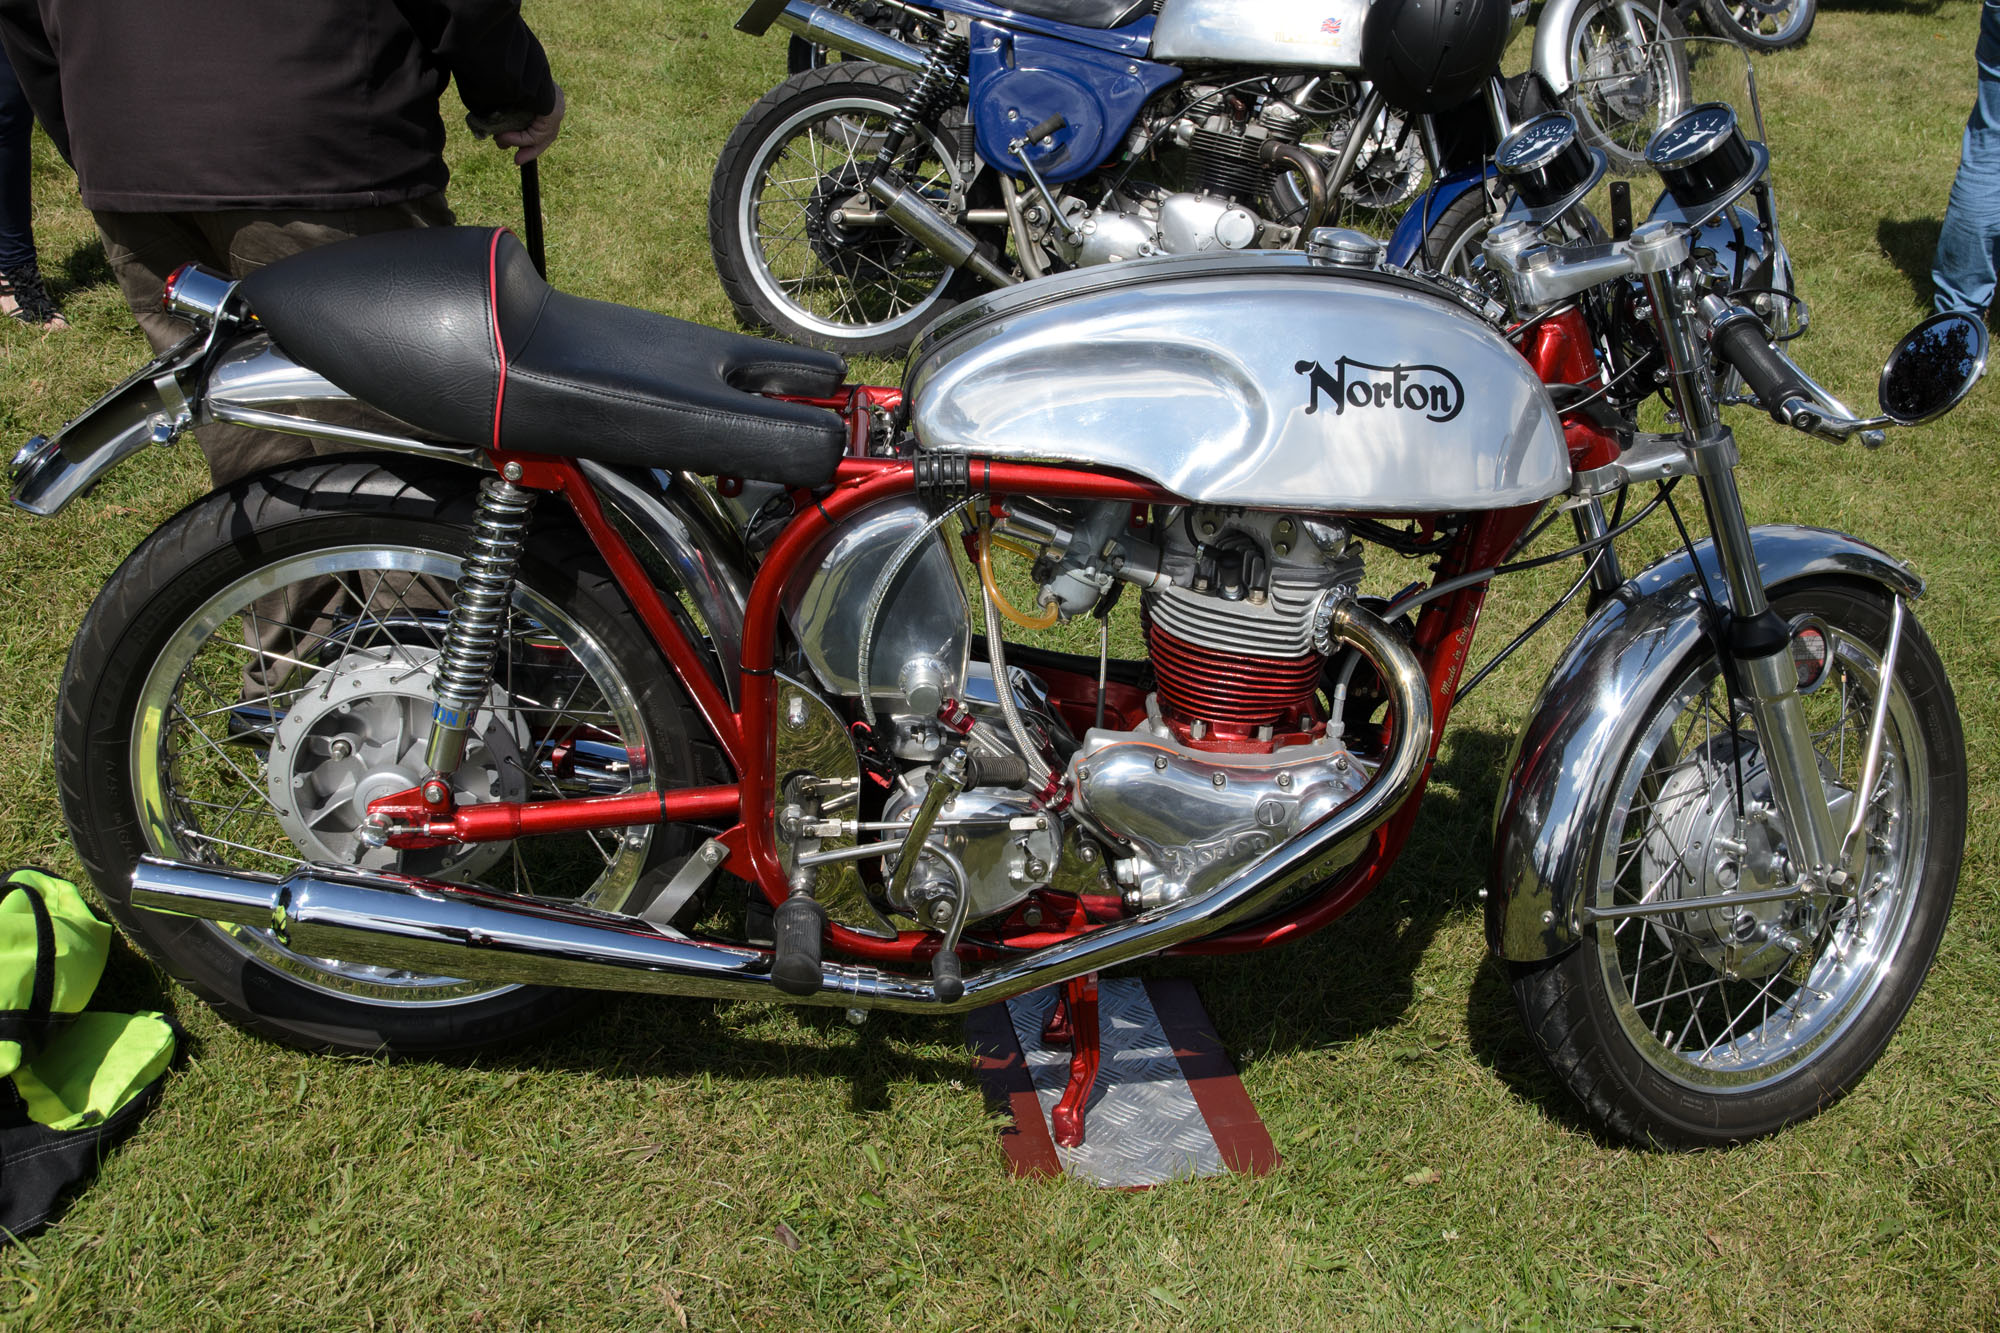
946,977
798,930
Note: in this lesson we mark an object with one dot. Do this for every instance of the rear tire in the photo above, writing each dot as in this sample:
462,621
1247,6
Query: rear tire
1744,22
1709,1028
165,745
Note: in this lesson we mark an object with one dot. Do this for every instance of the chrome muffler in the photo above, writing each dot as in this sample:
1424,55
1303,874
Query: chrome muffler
458,931
823,27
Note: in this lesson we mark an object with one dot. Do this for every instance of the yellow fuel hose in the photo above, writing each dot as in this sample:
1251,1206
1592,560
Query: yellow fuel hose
1050,613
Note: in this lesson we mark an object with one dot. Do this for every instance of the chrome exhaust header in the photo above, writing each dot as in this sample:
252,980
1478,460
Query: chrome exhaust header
454,930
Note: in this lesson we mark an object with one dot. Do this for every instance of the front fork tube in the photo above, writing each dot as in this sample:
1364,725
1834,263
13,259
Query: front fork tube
1757,641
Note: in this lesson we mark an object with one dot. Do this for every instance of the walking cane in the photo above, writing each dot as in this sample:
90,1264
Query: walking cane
485,127
531,214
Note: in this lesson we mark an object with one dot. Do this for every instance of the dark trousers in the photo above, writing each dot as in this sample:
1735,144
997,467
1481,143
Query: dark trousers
145,248
17,218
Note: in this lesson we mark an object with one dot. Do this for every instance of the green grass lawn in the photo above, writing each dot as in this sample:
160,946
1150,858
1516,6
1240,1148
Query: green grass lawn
632,1174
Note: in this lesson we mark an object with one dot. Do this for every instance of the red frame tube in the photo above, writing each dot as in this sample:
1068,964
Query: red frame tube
1443,638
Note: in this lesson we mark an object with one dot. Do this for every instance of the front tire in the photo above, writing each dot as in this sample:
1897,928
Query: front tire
1622,91
332,581
1713,1027
787,261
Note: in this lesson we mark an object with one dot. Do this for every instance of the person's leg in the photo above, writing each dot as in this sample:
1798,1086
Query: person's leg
1963,270
22,294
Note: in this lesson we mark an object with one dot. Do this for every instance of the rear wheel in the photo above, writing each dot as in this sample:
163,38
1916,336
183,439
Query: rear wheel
260,669
1761,25
1714,1026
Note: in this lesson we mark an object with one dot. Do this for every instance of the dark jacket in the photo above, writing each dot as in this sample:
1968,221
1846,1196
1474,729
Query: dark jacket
196,105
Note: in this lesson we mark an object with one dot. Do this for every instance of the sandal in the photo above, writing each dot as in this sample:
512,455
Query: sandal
23,296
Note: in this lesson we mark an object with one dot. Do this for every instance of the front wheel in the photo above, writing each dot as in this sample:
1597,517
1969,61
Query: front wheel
1715,1026
1761,25
1628,75
261,668
800,246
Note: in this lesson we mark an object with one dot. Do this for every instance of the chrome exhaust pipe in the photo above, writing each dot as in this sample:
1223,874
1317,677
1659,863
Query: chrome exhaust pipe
823,27
454,930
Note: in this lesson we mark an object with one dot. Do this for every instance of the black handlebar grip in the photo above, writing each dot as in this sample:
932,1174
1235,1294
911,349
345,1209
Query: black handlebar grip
1046,128
797,929
1744,344
945,976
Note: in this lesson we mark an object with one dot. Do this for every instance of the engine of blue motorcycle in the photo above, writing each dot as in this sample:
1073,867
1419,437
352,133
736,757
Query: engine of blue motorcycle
1225,740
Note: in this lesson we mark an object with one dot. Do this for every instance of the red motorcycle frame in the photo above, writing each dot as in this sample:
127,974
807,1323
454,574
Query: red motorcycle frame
1560,350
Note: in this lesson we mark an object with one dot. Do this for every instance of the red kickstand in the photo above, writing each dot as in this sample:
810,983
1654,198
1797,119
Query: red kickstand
1077,1012
1056,1032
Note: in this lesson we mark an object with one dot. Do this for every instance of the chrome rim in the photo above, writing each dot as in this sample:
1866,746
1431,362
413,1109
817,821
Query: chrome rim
829,278
1772,23
301,691
1623,92
1731,1000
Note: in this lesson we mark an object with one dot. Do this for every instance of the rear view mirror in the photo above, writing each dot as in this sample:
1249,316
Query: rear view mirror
1933,368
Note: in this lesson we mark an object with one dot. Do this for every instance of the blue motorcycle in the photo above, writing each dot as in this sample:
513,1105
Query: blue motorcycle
861,197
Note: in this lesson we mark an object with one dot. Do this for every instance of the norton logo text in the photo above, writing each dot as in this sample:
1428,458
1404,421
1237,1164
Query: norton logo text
1431,390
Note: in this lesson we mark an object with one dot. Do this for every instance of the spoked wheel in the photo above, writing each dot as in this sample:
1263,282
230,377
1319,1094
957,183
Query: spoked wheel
1717,1025
1628,72
260,669
1761,25
800,246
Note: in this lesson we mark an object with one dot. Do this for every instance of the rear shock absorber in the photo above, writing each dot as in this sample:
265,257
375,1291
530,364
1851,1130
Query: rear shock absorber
478,619
932,87
904,206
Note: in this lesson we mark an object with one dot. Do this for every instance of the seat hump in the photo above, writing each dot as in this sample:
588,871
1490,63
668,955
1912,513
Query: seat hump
452,330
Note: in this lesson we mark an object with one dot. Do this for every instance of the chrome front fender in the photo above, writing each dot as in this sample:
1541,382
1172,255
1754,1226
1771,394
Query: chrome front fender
1551,59
1564,764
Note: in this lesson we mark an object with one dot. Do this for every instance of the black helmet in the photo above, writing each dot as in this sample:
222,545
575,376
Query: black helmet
1431,55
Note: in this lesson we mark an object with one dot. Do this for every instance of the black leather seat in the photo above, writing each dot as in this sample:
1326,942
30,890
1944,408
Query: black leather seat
452,330
1085,13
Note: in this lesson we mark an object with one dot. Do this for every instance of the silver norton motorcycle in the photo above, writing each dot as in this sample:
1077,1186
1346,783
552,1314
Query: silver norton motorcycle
401,750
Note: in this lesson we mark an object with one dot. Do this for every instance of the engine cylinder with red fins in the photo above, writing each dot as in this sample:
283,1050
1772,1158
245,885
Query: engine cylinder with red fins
1218,700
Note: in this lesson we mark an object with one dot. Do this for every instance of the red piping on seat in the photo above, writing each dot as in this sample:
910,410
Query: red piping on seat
493,307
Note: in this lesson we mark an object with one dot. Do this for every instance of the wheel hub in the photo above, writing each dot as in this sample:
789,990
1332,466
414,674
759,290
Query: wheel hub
1697,845
852,252
1619,77
357,733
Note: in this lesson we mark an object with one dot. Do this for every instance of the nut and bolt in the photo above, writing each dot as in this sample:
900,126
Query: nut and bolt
342,748
795,712
1284,782
1160,762
1219,779
511,472
436,793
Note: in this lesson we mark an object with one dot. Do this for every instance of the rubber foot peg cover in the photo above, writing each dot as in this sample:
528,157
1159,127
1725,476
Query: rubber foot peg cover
946,978
797,929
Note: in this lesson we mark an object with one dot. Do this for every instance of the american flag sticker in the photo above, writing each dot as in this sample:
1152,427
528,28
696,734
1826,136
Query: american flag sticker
1331,27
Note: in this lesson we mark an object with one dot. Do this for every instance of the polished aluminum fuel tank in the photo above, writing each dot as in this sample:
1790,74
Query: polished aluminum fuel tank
1302,34
1256,379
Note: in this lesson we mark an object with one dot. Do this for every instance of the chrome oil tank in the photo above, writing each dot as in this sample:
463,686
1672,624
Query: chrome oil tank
923,631
1316,34
1255,379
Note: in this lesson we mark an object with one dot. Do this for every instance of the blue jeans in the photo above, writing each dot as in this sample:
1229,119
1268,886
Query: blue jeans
1963,268
17,124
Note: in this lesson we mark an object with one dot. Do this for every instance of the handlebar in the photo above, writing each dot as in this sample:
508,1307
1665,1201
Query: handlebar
1739,337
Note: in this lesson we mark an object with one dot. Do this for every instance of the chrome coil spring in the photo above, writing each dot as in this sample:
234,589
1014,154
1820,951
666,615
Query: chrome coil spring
478,618
935,84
